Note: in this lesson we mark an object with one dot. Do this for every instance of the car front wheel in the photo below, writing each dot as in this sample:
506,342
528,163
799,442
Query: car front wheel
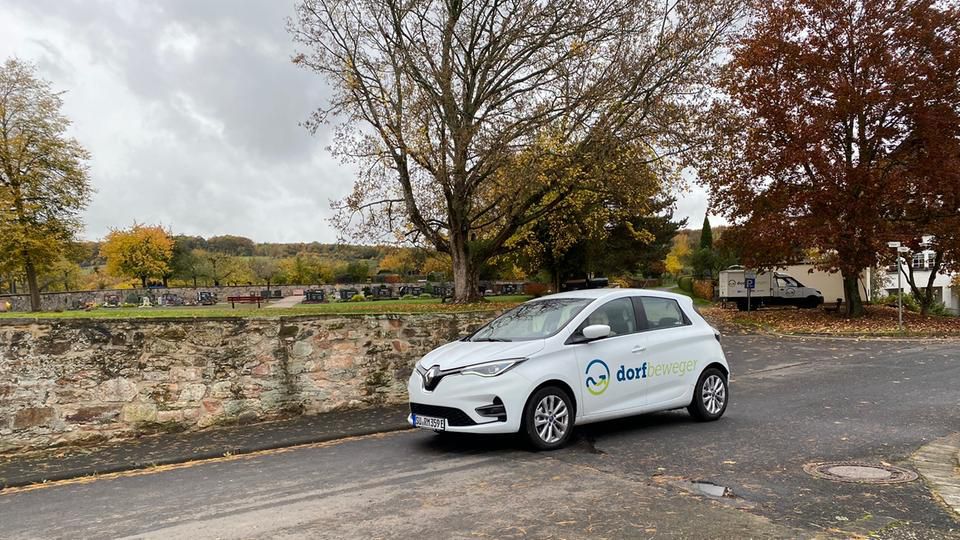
710,396
548,418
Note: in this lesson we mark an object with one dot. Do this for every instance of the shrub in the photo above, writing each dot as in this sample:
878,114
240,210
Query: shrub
685,283
407,297
939,308
536,290
359,297
909,302
703,288
426,295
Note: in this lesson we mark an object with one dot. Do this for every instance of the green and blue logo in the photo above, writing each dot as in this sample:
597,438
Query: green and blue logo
598,377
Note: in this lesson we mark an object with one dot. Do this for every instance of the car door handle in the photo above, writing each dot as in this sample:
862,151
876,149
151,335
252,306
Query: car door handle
638,349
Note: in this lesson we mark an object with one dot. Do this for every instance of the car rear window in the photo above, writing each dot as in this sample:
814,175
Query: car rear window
662,313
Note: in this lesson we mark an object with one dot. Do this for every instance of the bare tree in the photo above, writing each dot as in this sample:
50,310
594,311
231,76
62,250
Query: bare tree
471,120
265,269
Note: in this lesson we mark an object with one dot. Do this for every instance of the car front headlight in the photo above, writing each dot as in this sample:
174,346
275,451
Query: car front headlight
491,369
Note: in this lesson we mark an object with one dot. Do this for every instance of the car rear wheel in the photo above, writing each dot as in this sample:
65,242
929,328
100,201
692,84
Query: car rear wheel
710,396
548,418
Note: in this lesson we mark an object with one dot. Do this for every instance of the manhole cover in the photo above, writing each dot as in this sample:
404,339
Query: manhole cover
855,471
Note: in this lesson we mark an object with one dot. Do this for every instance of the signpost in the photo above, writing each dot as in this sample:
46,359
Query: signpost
749,283
899,249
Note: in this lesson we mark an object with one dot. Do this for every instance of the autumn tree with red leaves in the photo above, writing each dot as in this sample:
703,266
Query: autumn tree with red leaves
821,135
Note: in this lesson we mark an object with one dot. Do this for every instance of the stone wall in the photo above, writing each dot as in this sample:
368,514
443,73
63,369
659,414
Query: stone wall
66,380
67,300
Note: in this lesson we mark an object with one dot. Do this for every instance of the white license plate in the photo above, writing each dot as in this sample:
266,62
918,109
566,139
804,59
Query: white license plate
429,422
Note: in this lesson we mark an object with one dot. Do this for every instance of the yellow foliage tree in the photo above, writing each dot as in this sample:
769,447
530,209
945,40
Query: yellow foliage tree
438,263
401,261
675,260
142,252
43,177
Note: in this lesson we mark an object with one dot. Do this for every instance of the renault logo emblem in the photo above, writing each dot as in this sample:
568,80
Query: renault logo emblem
431,378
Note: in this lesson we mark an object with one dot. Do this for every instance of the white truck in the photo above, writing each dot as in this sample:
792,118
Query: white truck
770,289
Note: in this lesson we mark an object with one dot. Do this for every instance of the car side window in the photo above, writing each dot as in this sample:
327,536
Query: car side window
617,314
662,313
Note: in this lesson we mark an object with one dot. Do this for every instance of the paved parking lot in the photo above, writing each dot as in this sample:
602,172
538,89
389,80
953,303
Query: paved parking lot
794,401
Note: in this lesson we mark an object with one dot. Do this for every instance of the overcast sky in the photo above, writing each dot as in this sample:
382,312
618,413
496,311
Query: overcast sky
191,110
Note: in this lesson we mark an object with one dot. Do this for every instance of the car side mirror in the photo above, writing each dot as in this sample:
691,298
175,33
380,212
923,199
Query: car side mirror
596,331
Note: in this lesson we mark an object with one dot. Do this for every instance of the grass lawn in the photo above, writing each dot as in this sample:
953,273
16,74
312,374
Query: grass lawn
697,301
430,305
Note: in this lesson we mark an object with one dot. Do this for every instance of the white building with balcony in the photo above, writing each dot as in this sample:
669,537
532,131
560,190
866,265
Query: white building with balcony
921,263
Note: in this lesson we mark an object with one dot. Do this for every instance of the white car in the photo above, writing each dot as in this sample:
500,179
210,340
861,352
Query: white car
570,359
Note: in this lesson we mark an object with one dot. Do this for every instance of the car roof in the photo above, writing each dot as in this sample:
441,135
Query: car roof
594,294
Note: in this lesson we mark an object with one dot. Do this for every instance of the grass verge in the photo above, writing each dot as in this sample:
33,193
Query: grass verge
697,301
431,305
877,321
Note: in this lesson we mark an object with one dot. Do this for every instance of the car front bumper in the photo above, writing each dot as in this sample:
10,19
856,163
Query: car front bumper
468,392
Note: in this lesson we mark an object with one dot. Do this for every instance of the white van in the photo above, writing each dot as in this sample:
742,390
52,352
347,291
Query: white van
770,289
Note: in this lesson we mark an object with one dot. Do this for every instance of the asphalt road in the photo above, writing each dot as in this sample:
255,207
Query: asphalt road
793,402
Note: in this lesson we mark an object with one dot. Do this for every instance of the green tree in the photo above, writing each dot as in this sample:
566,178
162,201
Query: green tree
305,268
217,266
43,176
355,272
231,245
63,275
706,234
187,264
241,273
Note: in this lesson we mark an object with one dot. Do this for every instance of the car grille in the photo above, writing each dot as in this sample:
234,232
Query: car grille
454,416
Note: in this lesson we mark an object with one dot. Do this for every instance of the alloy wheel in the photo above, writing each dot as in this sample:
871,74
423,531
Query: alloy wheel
714,394
551,419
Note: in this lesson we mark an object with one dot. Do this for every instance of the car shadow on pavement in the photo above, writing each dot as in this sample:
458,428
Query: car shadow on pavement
584,437
470,444
646,422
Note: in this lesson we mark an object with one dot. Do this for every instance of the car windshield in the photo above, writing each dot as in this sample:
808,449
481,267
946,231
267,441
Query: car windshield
534,320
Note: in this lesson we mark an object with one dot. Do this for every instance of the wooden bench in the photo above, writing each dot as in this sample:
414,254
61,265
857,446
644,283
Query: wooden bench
835,308
243,300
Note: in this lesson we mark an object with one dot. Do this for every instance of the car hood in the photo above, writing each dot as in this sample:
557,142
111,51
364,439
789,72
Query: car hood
466,353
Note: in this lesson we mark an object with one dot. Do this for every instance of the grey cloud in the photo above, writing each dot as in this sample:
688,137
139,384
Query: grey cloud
191,110
197,122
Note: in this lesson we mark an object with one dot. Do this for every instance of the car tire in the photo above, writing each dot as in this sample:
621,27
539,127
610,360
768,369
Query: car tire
710,396
548,411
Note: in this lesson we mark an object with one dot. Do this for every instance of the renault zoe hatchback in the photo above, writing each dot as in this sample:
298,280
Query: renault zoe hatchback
570,359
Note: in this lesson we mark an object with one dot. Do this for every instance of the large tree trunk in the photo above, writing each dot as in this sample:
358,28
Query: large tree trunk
32,286
465,273
851,294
